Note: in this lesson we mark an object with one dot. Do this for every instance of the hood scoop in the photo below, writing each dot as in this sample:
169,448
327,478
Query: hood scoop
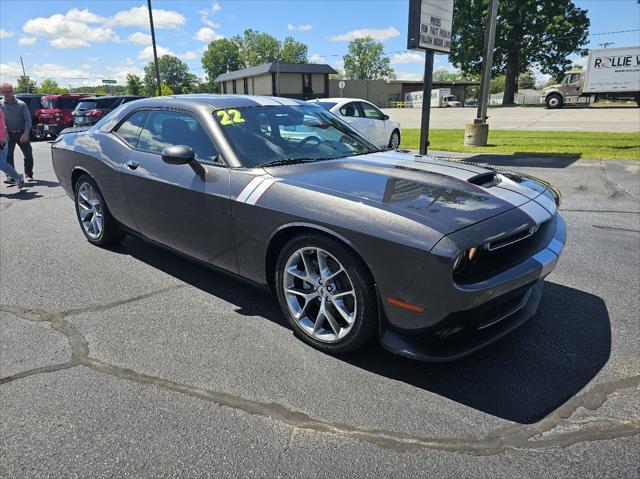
486,180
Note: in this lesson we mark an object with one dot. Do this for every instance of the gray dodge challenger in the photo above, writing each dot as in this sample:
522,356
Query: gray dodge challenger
436,258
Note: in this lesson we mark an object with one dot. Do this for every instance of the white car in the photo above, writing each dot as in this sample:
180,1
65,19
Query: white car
366,118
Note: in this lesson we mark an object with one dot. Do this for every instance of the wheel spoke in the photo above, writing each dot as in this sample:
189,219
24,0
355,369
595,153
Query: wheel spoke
308,265
341,308
294,271
320,317
341,295
323,267
332,321
333,275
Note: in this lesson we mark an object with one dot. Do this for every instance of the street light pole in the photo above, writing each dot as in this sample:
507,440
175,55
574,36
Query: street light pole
476,133
155,52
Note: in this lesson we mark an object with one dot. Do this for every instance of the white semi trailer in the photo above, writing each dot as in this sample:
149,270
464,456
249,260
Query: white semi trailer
614,72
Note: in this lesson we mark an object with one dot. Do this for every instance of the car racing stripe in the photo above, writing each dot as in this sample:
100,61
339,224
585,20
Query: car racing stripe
249,188
259,191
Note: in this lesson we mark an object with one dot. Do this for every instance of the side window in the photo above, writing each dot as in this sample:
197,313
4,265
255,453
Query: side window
575,77
350,109
371,111
167,128
129,131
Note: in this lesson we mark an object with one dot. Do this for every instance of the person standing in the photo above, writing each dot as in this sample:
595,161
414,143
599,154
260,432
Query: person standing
4,166
18,123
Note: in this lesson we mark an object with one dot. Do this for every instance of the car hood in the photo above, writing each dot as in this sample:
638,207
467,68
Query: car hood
445,195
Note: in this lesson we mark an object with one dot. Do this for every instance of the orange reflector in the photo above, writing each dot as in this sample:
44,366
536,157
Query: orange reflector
472,253
402,304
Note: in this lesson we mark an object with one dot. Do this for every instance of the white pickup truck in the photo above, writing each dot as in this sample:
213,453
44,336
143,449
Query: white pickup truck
614,72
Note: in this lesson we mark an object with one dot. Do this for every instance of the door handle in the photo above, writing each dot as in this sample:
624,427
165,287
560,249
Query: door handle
132,164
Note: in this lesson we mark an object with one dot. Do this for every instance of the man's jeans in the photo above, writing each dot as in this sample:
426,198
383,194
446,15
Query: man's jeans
6,167
12,140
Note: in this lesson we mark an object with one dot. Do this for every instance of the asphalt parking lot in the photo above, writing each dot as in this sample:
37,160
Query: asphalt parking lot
131,361
573,118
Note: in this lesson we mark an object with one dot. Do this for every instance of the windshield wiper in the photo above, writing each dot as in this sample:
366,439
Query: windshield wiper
292,161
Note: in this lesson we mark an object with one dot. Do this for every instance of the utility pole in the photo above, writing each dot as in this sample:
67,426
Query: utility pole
155,52
24,74
476,133
426,101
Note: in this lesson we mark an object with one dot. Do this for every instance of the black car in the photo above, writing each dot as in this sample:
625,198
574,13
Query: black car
33,102
435,258
91,109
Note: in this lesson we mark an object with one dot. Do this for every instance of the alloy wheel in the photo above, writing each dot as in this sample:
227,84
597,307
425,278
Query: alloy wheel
319,294
90,211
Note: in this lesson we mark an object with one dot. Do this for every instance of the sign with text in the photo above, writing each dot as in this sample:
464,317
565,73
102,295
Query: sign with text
109,82
430,23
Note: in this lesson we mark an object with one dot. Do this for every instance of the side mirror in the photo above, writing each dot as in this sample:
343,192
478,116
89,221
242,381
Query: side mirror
178,155
385,117
182,155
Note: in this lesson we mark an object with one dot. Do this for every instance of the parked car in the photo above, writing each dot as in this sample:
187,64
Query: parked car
471,102
451,101
91,109
56,113
435,258
365,117
32,100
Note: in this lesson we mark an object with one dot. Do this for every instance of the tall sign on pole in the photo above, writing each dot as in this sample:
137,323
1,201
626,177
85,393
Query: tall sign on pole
155,52
430,23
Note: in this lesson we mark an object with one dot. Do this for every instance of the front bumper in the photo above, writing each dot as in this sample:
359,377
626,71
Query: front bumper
50,128
476,315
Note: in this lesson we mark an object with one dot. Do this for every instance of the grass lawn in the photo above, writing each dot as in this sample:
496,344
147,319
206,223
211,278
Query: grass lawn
599,145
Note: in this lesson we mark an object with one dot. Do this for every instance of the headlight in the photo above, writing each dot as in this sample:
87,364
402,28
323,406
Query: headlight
468,254
458,261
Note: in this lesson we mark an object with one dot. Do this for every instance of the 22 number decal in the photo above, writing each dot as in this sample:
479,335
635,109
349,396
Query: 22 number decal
229,117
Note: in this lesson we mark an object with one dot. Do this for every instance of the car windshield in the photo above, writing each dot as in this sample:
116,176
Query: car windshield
279,134
86,105
327,105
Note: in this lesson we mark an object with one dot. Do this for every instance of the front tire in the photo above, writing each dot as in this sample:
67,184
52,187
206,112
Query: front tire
96,222
394,141
554,101
326,294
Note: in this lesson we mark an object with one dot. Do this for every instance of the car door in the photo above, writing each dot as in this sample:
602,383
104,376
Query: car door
172,204
377,124
352,113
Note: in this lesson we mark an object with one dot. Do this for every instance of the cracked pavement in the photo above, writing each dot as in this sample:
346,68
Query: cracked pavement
135,362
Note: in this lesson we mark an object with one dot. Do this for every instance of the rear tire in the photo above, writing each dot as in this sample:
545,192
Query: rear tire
96,222
333,305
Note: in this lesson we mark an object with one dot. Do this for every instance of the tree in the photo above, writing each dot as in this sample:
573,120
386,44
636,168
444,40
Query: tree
526,80
134,84
496,85
293,51
256,48
528,32
173,72
165,89
51,87
221,56
366,60
26,85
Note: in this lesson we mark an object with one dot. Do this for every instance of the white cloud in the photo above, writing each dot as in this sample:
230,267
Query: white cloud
407,58
206,34
216,7
300,28
139,17
380,34
140,38
409,76
64,42
190,55
58,72
209,23
146,54
10,70
5,33
27,40
205,12
70,30
317,58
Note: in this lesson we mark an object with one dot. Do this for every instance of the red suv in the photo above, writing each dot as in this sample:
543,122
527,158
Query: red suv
56,113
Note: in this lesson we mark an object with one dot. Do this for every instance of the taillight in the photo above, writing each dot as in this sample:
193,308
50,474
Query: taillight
95,113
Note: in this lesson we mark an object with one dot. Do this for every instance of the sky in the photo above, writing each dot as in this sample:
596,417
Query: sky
82,42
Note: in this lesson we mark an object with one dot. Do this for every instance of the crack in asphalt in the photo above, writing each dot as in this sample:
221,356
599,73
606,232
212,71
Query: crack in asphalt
512,437
603,171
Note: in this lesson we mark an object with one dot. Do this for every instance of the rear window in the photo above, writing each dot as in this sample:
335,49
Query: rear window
86,105
60,103
107,102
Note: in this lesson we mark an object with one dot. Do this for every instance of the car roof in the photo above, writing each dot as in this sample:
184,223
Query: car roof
226,101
